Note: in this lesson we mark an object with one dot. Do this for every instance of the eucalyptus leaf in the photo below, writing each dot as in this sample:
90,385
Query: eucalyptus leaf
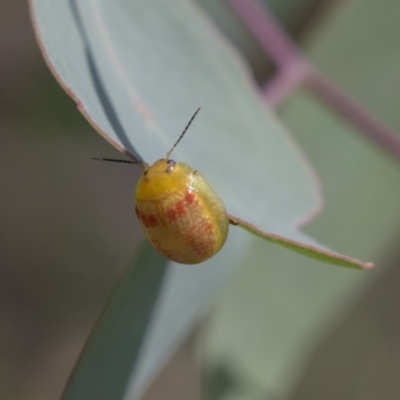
136,69
140,69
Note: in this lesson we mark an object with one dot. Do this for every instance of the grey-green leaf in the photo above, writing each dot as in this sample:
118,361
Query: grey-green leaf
112,349
139,70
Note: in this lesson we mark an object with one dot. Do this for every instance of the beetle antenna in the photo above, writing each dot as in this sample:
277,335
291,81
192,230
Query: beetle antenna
180,137
143,165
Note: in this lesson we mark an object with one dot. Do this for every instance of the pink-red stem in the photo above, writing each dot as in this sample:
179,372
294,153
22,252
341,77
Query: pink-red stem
295,70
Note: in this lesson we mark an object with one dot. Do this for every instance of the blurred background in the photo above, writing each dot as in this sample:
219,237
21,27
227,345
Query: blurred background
68,227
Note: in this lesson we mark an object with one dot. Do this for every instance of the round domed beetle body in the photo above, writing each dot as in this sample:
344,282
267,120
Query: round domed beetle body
180,214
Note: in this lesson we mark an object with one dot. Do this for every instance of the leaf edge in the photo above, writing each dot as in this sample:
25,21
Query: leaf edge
310,251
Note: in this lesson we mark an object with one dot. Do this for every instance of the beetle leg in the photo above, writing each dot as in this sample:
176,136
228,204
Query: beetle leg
233,221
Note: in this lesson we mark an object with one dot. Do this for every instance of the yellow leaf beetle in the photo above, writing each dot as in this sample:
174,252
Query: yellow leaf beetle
179,212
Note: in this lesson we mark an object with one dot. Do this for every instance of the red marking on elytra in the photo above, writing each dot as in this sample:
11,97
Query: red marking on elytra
148,220
179,210
189,197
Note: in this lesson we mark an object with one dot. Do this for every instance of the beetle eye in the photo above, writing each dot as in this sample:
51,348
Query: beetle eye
171,165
